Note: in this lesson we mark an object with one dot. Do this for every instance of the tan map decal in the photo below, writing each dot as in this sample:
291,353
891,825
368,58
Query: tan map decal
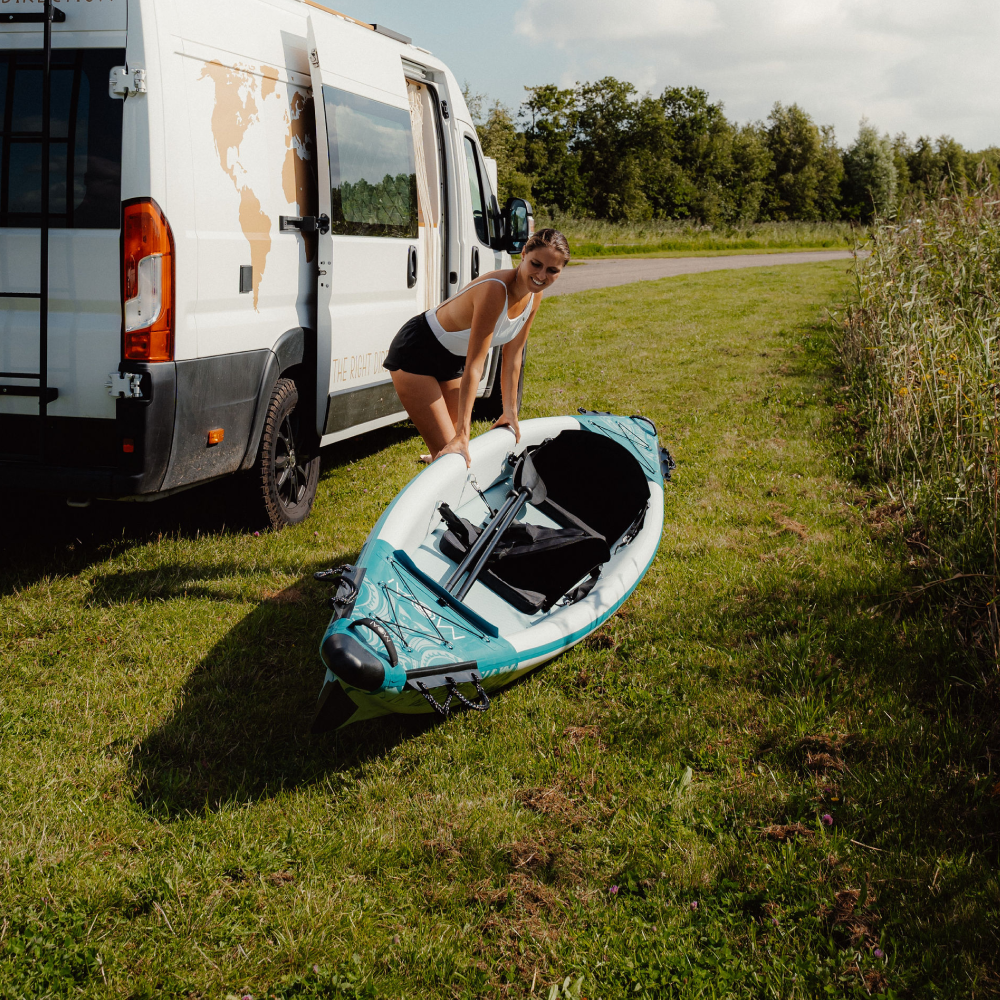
270,75
298,174
235,110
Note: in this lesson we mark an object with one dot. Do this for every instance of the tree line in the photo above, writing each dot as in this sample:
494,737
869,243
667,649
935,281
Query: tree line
605,150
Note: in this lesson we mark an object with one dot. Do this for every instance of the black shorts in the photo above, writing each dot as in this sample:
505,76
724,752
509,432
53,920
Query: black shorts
416,350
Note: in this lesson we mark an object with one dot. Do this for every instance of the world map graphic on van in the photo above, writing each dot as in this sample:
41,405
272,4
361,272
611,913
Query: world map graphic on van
250,100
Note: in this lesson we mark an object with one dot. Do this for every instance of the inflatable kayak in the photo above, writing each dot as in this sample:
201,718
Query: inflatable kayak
474,576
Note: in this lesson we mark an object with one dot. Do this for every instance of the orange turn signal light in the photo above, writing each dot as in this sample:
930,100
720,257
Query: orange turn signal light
216,435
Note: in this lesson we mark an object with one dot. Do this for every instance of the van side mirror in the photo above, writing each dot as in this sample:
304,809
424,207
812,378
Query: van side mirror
518,224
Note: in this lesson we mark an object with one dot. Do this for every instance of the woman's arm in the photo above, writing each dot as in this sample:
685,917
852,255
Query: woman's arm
487,305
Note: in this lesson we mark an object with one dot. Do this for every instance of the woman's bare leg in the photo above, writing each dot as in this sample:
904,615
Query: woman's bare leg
426,401
450,391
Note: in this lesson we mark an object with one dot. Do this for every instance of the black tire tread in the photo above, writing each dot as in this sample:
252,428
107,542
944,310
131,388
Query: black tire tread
284,393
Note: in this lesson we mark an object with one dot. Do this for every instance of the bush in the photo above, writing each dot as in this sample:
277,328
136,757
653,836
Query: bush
920,345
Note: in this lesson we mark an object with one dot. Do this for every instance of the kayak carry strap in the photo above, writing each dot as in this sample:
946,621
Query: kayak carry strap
444,708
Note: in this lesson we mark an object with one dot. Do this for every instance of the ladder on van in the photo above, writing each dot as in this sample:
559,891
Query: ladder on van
45,393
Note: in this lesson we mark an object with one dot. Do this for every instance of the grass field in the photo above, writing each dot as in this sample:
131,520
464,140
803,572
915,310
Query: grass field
768,776
676,238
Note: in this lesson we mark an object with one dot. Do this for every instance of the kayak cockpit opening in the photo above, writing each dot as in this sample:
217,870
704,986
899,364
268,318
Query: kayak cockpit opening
587,496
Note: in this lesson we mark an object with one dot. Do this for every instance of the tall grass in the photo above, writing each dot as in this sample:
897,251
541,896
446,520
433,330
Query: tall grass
597,237
920,343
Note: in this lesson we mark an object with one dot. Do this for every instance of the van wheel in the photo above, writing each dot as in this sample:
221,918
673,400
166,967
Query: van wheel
491,407
287,463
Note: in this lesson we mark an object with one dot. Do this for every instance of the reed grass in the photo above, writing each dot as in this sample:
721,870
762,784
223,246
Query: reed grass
589,237
919,344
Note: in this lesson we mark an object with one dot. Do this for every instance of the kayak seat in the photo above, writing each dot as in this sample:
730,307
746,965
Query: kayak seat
532,566
591,480
595,490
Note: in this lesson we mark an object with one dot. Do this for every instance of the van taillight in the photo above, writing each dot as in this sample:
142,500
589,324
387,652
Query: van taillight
147,282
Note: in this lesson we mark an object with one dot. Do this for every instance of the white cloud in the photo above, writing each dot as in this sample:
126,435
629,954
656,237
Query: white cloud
918,66
563,23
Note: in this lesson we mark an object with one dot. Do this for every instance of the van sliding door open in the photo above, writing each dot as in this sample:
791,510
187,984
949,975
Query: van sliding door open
369,254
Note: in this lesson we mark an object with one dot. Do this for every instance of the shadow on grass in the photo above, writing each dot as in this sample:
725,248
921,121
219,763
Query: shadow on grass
240,730
47,538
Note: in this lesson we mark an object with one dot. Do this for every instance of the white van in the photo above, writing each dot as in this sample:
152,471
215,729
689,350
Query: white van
246,200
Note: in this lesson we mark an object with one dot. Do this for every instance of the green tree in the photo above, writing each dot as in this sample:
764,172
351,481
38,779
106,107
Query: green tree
619,134
831,175
550,117
901,151
695,159
869,174
798,165
752,165
500,139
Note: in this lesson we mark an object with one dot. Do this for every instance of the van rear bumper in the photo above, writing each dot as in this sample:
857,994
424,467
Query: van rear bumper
31,477
95,457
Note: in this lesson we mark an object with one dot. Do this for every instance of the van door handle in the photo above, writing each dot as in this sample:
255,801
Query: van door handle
475,262
411,267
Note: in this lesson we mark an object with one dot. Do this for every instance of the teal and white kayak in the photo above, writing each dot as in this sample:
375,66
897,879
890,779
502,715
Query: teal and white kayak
474,576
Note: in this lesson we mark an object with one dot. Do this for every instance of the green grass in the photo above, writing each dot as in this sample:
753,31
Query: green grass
641,818
676,238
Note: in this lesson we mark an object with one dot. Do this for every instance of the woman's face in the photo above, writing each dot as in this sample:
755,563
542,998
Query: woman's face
542,266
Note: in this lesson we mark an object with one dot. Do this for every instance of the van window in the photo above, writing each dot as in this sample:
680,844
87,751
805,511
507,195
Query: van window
86,139
373,178
479,213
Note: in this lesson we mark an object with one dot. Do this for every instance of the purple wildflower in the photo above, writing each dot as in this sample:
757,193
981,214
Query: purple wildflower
613,890
256,534
878,953
694,904
827,819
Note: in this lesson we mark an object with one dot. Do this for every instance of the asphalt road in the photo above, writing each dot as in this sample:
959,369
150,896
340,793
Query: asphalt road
605,273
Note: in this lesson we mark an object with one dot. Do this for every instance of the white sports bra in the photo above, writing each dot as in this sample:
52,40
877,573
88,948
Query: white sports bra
457,341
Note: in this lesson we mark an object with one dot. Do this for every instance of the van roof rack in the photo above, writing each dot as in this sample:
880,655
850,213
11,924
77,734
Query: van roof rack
389,33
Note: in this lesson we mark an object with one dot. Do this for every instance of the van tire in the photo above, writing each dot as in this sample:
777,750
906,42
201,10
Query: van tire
287,491
491,407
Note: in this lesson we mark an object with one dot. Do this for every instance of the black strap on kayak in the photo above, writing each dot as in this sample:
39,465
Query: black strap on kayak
441,709
348,579
477,706
579,593
667,463
444,708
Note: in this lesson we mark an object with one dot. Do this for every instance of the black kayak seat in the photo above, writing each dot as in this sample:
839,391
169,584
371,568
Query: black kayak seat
595,479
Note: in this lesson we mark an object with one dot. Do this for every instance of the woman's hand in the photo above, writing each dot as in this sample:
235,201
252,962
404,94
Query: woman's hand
458,445
509,419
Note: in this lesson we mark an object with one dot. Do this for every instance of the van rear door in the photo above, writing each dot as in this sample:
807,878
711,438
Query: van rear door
369,256
84,304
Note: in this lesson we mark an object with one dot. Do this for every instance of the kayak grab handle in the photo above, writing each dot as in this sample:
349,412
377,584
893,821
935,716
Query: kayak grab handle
380,630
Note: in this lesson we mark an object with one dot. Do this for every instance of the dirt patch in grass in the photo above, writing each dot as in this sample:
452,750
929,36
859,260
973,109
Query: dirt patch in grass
786,832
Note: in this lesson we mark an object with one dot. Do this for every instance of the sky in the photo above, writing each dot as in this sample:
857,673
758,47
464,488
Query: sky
923,67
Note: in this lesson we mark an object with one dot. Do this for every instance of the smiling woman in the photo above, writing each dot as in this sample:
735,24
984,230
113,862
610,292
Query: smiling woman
437,358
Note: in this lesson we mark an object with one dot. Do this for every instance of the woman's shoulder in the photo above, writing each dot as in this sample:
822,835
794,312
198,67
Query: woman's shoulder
488,285
505,275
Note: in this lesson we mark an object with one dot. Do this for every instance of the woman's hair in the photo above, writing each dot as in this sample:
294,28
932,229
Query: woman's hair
551,238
